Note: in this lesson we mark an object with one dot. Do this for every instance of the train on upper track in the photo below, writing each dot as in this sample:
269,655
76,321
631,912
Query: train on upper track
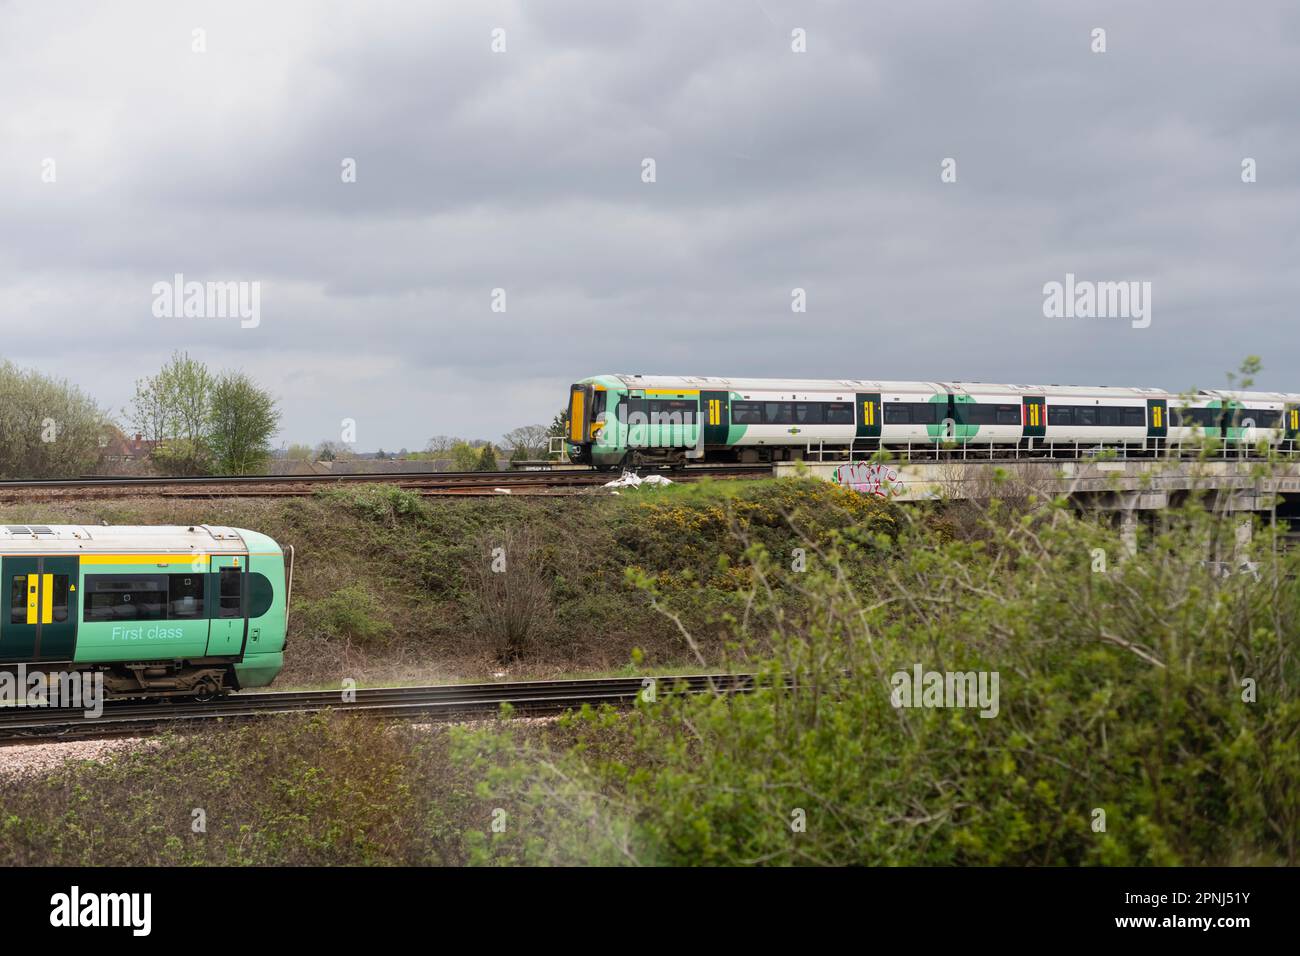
633,420
158,611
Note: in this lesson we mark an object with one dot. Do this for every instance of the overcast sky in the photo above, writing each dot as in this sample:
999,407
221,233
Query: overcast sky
523,170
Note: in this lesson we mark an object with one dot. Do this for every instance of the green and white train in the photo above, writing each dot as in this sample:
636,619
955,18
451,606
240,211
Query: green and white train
160,611
631,420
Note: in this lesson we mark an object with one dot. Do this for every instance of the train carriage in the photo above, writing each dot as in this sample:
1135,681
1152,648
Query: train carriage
1135,419
160,611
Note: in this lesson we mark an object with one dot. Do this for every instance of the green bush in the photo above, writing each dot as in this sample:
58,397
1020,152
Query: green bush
352,612
385,504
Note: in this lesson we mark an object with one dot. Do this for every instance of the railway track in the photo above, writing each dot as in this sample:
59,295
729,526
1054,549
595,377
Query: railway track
557,481
434,703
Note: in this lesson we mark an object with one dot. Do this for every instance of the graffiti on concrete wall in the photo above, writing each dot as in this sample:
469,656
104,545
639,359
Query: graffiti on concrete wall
869,478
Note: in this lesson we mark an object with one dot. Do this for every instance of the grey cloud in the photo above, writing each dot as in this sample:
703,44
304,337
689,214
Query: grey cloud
522,170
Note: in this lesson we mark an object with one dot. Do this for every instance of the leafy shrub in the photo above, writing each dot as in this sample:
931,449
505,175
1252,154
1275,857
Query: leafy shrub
351,613
385,504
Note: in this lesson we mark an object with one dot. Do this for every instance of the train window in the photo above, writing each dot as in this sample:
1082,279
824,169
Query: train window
1008,414
18,600
928,413
778,413
808,413
1204,417
672,411
970,413
1262,417
185,596
1134,417
896,413
260,594
1085,415
126,597
1060,415
747,413
231,588
839,413
59,599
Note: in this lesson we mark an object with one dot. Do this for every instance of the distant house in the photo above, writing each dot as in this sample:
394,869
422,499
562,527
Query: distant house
117,448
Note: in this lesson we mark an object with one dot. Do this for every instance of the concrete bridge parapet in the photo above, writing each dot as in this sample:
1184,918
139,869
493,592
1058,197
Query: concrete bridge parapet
1132,484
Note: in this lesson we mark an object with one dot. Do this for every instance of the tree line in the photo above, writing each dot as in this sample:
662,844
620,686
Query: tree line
194,421
525,443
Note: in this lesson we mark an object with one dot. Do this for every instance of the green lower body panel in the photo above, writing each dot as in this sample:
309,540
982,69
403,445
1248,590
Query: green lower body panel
258,670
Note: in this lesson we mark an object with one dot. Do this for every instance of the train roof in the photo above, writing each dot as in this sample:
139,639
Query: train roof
1060,391
692,382
1243,396
121,539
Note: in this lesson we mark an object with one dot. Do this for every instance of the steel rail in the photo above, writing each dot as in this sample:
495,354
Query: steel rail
427,482
438,702
471,477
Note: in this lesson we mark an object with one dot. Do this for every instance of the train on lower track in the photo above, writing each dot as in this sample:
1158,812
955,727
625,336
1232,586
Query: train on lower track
632,420
158,611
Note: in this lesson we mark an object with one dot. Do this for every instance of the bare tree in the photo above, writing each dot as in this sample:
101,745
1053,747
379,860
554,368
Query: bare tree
333,451
526,441
440,443
510,599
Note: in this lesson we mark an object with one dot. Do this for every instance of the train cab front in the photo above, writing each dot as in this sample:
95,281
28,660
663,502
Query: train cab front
586,419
